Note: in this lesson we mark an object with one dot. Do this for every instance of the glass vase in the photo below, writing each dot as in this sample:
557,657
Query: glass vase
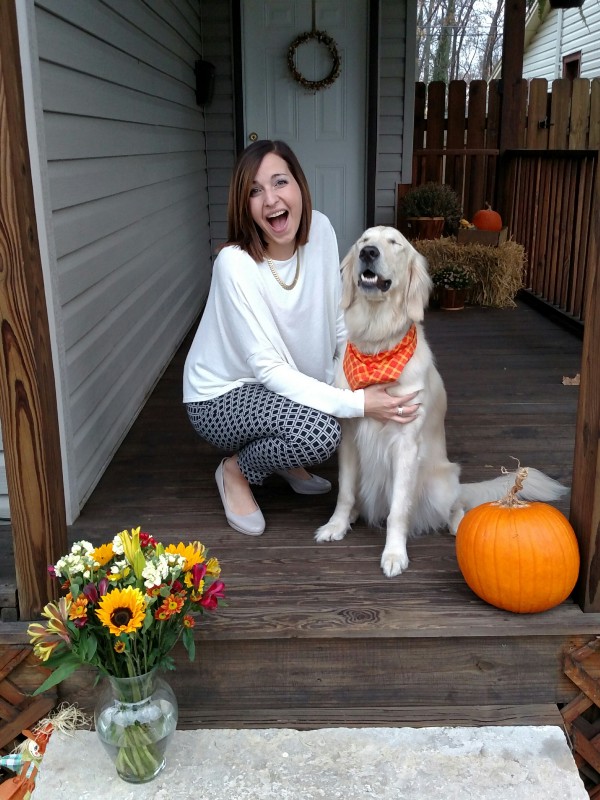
135,719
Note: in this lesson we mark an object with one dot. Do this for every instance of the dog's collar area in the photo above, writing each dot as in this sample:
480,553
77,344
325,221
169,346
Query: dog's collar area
365,369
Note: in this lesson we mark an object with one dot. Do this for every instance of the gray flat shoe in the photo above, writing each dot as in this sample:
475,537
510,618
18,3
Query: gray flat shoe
251,524
312,485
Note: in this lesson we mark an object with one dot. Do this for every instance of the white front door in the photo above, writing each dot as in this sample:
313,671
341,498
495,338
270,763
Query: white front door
325,129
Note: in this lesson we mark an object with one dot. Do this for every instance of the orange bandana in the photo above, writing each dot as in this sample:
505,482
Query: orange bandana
363,370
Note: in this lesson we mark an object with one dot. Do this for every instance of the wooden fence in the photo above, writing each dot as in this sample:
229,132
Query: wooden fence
544,190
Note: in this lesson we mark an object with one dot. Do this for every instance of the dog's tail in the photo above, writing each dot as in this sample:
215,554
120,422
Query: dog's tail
537,486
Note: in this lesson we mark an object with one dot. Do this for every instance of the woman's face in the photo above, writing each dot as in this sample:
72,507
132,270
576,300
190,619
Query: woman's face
276,206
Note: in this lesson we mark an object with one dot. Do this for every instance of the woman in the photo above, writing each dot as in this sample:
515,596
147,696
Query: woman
258,376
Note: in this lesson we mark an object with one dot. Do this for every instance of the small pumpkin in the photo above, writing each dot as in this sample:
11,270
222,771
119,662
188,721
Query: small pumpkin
487,219
516,555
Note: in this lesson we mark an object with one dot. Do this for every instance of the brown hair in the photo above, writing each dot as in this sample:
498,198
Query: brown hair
241,228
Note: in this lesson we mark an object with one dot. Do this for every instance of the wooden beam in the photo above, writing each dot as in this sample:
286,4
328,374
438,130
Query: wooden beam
585,493
513,43
27,390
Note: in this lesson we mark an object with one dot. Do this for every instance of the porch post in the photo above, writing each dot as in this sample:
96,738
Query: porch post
585,492
27,390
513,43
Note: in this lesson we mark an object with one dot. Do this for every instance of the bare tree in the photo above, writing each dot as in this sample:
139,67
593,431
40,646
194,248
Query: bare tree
487,60
458,39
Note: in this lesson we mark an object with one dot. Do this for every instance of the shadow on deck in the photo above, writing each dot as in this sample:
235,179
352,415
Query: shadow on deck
315,634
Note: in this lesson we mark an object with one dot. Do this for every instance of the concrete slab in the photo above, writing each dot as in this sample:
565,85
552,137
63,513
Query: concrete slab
489,763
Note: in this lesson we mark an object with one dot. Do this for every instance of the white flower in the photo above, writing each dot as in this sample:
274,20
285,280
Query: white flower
117,545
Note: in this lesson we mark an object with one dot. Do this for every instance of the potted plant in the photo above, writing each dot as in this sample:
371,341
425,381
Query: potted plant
451,283
430,201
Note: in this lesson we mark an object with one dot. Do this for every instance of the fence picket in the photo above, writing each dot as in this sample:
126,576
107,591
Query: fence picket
580,114
537,115
559,115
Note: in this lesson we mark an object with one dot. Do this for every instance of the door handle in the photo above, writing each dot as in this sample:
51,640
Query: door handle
253,136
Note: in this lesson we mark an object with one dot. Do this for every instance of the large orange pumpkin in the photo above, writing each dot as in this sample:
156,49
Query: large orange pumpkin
487,219
518,556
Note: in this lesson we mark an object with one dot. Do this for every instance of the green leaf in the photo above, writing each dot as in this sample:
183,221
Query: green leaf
69,664
189,643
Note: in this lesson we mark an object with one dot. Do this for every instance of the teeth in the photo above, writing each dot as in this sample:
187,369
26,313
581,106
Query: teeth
276,214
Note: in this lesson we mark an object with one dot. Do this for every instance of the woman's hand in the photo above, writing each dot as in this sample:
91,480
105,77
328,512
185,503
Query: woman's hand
383,407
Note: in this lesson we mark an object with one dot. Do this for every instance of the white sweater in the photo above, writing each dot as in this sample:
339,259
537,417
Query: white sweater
254,331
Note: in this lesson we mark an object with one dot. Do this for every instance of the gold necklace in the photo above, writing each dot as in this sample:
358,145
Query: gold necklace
276,275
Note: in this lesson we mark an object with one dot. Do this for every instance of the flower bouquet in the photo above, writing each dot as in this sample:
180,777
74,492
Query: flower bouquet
126,605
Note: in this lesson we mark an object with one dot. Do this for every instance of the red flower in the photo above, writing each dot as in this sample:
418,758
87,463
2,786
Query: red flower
146,539
211,597
91,592
198,572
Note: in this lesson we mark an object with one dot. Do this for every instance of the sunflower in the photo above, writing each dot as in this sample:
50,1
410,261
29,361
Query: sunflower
193,553
122,610
103,554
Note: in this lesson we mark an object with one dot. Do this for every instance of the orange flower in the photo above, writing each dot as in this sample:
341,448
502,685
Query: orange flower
170,605
189,621
78,607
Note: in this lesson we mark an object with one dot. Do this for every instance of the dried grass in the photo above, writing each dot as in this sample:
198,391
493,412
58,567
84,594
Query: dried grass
497,272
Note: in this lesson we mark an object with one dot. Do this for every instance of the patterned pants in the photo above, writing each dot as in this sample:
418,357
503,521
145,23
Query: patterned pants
267,431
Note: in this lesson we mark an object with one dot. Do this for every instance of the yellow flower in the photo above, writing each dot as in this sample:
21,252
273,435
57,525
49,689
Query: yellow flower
193,553
133,551
103,554
116,576
213,568
122,610
119,646
58,613
43,641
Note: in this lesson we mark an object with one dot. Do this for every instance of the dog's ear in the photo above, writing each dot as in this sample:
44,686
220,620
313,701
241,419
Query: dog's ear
347,271
419,286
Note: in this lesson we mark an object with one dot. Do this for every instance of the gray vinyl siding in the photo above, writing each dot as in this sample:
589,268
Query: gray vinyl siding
564,33
394,76
125,150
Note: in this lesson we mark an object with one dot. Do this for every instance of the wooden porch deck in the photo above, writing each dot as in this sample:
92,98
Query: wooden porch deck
315,634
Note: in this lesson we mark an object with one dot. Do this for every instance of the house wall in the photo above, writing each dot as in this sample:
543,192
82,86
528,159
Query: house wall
122,185
396,93
561,33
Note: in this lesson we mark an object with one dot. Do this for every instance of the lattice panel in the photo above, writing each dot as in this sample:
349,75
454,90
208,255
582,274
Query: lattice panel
18,709
582,715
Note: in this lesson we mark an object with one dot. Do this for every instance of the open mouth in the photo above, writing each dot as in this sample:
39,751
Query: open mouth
278,221
369,281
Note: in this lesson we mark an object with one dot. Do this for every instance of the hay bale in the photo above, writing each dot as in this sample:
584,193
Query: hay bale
497,272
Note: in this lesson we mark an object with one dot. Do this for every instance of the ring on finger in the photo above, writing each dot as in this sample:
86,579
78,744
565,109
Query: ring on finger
399,411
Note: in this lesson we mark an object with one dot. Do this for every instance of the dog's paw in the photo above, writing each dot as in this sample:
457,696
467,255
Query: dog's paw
393,564
332,532
456,514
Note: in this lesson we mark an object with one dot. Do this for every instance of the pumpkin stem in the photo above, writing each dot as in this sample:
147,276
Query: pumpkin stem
510,500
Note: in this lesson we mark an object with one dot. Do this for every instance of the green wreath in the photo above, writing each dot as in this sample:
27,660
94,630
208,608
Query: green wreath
322,38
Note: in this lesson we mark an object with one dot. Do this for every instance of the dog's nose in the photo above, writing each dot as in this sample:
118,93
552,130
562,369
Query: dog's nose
369,253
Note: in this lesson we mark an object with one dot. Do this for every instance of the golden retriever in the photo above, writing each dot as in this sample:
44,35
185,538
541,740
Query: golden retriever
401,473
